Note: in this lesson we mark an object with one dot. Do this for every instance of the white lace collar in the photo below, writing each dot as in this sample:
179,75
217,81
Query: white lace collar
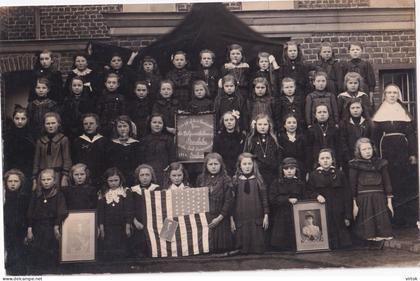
137,189
391,112
230,65
82,73
113,195
291,136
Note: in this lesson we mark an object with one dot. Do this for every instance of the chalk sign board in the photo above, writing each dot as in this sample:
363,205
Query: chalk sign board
194,136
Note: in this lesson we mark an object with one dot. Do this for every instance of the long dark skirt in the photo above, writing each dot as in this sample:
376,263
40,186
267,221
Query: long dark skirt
137,244
43,250
114,245
283,232
221,239
250,237
373,217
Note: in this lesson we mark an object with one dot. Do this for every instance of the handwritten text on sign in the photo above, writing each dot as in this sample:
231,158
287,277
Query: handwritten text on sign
194,136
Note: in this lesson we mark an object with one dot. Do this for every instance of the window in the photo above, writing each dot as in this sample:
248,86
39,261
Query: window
405,79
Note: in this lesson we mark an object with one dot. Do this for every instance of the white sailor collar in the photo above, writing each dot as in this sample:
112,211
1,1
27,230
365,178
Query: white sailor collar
128,142
361,120
137,189
242,177
347,95
95,138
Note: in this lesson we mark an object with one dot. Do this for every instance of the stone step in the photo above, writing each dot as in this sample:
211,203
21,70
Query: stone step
407,239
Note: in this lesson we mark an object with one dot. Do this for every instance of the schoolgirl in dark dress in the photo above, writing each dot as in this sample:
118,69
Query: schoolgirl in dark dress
114,216
140,107
77,103
229,141
214,177
123,151
80,194
355,125
15,207
372,193
181,79
293,142
262,143
285,191
329,186
19,146
47,210
157,147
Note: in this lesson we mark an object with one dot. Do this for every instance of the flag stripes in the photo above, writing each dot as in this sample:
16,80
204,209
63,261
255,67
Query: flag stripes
192,234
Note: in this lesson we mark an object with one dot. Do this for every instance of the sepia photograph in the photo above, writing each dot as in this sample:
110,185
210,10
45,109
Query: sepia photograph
78,242
311,226
203,136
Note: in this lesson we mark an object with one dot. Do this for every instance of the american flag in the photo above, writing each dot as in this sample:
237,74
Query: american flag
188,208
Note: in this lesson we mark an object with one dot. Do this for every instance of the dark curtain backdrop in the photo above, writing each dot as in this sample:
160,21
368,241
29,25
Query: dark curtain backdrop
207,26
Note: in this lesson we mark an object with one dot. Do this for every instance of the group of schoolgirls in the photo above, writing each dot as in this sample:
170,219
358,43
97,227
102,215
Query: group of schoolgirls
121,134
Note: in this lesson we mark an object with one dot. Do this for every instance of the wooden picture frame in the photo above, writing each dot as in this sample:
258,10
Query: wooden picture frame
311,234
194,136
78,239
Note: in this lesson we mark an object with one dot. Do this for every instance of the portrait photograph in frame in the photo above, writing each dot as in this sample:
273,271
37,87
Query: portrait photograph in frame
78,240
311,230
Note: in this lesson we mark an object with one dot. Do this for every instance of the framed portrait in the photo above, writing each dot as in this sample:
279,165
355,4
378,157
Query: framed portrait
78,239
311,230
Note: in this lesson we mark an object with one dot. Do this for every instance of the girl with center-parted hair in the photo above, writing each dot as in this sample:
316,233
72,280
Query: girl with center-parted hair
215,177
114,215
145,179
158,146
250,210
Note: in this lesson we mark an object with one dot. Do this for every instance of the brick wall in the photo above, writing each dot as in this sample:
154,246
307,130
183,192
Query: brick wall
17,23
380,48
75,21
55,21
330,4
